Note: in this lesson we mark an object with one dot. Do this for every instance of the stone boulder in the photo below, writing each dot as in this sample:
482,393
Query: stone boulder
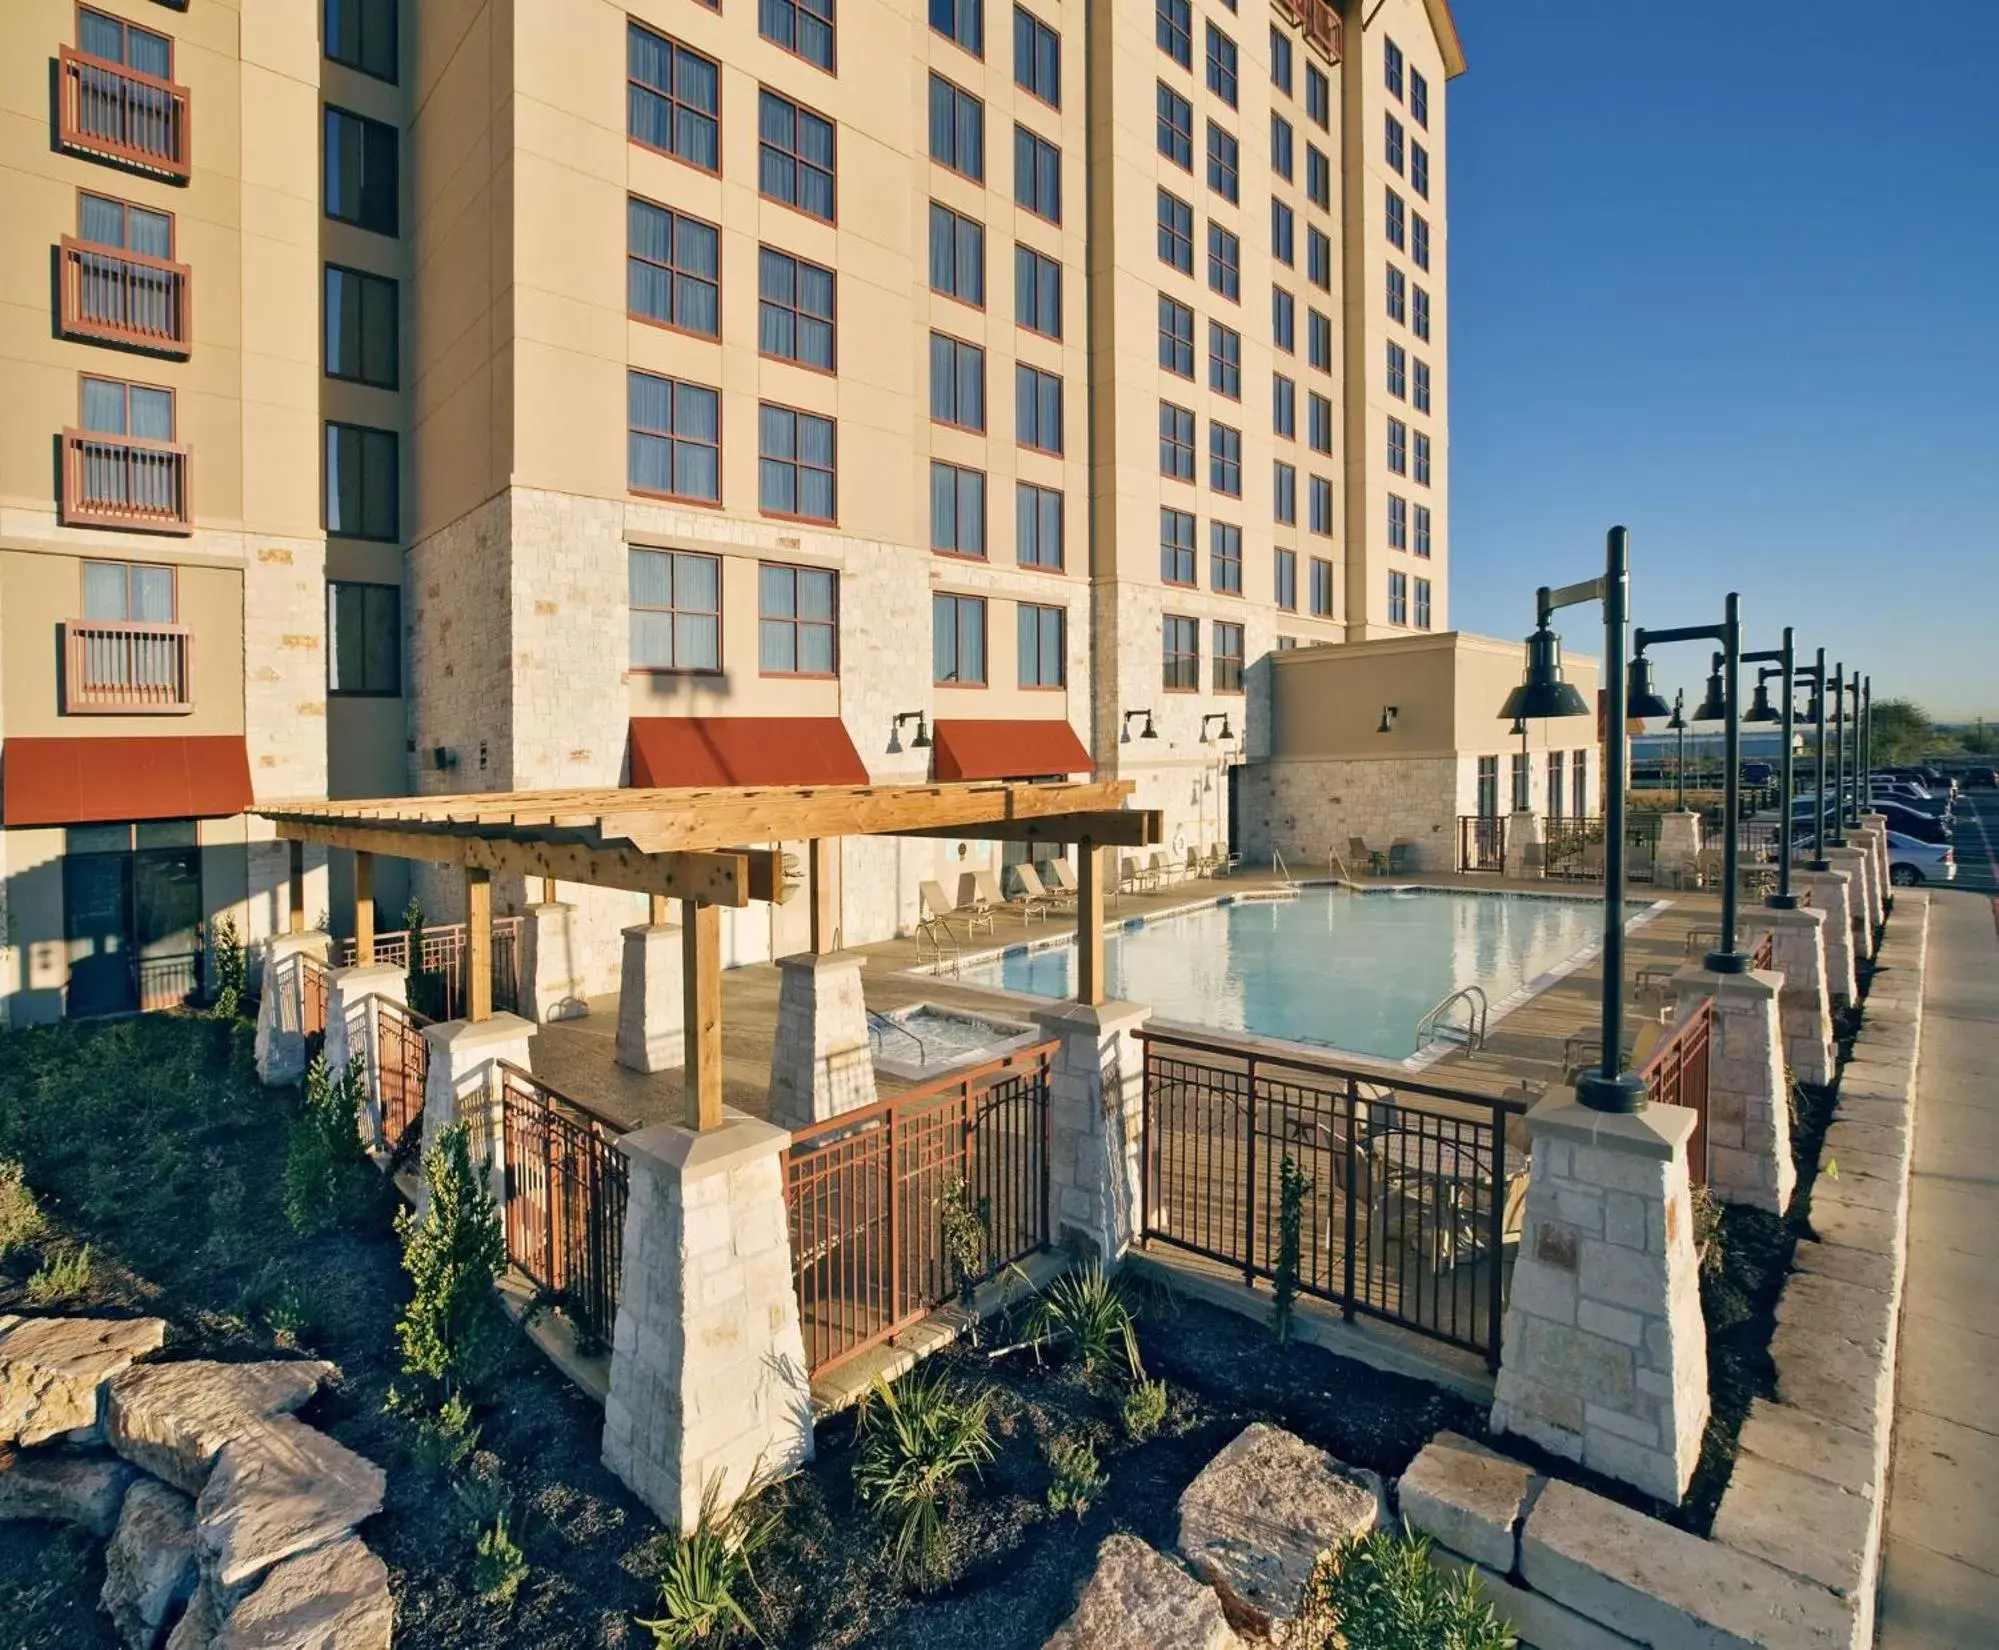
199,1622
76,1489
53,1370
335,1597
149,1566
1138,1600
1259,1515
173,1419
280,1488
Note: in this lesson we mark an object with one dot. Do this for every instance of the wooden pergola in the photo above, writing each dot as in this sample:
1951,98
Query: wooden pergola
688,845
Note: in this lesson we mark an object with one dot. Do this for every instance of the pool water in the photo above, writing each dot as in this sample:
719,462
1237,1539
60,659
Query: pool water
925,1039
1345,970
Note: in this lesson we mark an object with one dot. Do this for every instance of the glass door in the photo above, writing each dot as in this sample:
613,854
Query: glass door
97,920
166,913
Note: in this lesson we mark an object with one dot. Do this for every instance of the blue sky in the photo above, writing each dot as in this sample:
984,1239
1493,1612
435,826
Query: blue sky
1731,277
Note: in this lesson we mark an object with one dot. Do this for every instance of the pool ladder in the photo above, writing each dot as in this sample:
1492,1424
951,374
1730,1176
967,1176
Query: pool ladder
1282,872
878,1023
1437,1027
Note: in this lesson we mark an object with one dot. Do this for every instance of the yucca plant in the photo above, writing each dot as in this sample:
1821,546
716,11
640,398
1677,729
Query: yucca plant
916,1441
1087,1318
707,1574
1381,1591
1078,1475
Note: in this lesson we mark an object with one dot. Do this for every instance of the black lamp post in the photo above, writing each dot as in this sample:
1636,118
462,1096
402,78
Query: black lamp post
1837,688
1543,693
1722,704
1762,711
1861,781
1678,725
1814,673
1867,736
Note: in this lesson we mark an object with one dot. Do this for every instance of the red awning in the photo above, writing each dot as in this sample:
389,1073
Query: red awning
1009,750
98,781
676,751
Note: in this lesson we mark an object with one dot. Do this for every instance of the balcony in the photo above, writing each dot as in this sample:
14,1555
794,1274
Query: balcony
1322,29
124,481
113,667
110,296
110,112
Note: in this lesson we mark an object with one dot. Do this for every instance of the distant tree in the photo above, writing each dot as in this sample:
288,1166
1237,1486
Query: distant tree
1980,740
1901,732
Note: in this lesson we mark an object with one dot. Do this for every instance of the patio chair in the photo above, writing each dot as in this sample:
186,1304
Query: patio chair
939,921
1196,865
1372,860
978,898
1035,899
1134,878
1062,878
1162,870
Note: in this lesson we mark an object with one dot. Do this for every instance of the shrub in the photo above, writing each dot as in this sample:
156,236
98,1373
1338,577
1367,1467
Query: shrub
498,1564
228,975
964,1235
1078,1476
1708,1243
916,1442
21,1219
707,1570
1086,1317
328,1179
1143,1410
280,1303
454,1331
60,1277
445,1437
1292,1190
1380,1591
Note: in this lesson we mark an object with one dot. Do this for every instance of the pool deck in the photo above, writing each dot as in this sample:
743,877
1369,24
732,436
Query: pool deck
576,1056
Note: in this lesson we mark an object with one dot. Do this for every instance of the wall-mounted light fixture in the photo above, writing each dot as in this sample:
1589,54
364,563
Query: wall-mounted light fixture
922,740
1388,715
1227,733
444,758
1148,732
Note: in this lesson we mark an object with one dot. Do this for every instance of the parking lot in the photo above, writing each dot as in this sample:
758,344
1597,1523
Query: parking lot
1975,837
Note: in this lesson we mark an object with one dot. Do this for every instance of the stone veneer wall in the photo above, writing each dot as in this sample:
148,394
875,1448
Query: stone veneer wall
1302,808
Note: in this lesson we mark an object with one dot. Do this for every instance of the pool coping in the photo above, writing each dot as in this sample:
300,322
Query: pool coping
1424,1058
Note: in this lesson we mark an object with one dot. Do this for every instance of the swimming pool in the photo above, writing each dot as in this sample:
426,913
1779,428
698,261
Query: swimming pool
1334,967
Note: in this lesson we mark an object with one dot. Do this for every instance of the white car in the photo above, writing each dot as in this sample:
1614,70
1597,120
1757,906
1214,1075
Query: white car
1912,863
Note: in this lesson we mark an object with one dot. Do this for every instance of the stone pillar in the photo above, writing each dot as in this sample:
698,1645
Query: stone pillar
1604,1355
1832,893
1526,851
1804,1007
1876,828
1748,1094
708,1381
1679,854
821,1063
1096,1100
652,1014
463,1085
351,994
554,968
281,1004
1872,840
1865,897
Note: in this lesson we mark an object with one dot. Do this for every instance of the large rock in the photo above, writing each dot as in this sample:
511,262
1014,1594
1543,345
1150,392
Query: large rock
279,1489
333,1598
173,1419
77,1489
149,1566
1140,1601
1469,1497
199,1622
1260,1514
52,1371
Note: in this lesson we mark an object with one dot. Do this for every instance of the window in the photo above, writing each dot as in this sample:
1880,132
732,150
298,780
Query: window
1037,57
1398,372
361,327
795,156
957,383
1420,324
1578,766
1393,221
1419,170
1419,239
957,129
1176,233
794,310
1319,340
1037,175
676,606
1037,292
795,464
1419,98
801,26
1318,97
1223,167
673,99
1283,320
1280,146
1176,337
1322,588
957,510
1283,407
1398,295
360,171
1225,558
1398,447
1176,546
1422,386
1228,657
1521,782
1422,459
102,221
1285,591
1224,262
963,21
958,640
364,637
125,43
1043,653
1321,518
1221,66
1555,787
1318,177
1180,643
125,592
957,256
1176,127
1392,144
1422,529
1286,643
1488,786
1176,442
1284,494
674,440
362,34
1037,409
1283,231
1398,598
1225,459
1391,67
1319,422
362,499
672,269
1398,522
1319,259
1423,623
797,620
1225,360
1280,60
1037,526
1175,31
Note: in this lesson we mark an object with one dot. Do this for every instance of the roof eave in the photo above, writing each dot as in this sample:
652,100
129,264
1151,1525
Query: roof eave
1445,27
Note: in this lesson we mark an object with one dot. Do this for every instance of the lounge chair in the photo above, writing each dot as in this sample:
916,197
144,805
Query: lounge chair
1035,899
1162,871
1370,860
1062,877
1134,878
941,922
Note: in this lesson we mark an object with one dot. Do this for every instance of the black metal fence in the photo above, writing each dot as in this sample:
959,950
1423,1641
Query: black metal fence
1482,843
1413,1191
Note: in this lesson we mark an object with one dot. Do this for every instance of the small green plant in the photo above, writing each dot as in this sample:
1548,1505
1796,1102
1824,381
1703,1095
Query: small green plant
1086,1317
1292,1189
60,1277
444,1437
707,1572
1709,1242
1380,1591
21,1218
1143,1410
228,974
916,1442
1078,1475
964,1234
328,1180
498,1564
454,1331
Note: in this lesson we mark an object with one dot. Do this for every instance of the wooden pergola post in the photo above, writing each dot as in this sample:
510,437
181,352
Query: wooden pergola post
701,988
478,944
1089,923
820,892
548,890
656,910
296,918
364,908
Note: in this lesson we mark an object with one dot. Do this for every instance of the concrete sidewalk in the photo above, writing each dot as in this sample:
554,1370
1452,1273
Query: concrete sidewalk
1940,1581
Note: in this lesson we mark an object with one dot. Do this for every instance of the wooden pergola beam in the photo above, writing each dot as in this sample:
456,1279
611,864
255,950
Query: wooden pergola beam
478,943
1090,924
1138,828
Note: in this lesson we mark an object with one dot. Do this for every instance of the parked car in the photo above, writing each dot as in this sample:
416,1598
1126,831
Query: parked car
1912,863
1918,797
1979,779
1923,827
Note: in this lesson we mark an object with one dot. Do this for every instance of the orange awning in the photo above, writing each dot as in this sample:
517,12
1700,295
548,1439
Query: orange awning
1009,750
98,781
676,751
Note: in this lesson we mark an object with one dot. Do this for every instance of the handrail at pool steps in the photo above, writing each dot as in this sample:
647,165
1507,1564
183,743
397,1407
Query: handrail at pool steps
1433,1028
878,1023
